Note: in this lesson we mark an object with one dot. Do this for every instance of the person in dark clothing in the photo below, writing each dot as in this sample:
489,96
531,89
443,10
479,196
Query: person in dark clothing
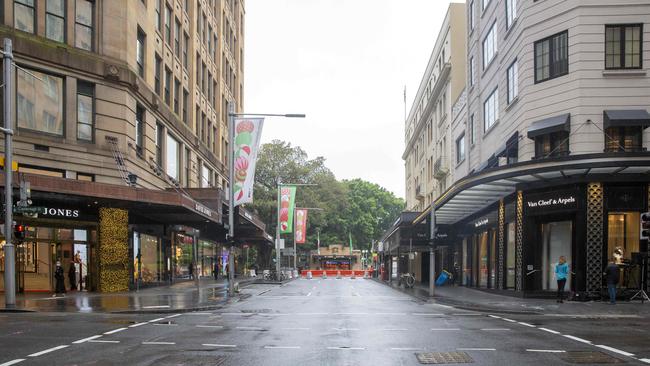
72,277
58,276
612,274
191,270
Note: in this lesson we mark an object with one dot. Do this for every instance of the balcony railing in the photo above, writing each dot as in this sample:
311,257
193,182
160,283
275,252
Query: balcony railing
418,193
440,168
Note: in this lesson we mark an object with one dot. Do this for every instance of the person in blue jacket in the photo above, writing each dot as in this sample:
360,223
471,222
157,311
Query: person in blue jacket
561,274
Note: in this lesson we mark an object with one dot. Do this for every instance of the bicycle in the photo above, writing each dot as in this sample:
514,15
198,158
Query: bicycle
408,279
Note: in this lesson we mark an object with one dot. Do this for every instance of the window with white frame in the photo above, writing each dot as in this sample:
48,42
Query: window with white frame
172,165
472,138
471,15
460,149
491,110
511,12
484,4
513,81
471,71
490,45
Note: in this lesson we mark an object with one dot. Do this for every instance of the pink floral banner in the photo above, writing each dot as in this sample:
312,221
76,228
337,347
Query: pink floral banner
248,132
301,226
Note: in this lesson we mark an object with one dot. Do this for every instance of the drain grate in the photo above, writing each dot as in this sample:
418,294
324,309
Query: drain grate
439,358
589,357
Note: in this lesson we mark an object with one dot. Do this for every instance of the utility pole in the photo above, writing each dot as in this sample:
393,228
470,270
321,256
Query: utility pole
10,255
231,198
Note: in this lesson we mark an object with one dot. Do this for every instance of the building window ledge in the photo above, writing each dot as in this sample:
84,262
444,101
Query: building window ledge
494,125
512,102
509,30
624,72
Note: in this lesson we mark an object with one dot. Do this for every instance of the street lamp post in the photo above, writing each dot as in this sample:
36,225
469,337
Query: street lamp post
10,255
231,191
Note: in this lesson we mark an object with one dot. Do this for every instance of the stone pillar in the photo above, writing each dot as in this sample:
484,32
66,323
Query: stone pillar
500,243
519,237
594,247
113,253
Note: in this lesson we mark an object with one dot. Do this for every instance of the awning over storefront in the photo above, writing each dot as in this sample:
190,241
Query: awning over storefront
510,148
405,233
250,228
626,117
479,190
549,125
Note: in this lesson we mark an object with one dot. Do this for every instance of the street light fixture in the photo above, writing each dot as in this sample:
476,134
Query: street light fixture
231,177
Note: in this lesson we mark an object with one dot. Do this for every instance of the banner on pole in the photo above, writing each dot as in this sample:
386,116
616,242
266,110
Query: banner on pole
301,226
247,142
287,204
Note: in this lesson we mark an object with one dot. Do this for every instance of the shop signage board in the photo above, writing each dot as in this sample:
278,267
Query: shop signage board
547,202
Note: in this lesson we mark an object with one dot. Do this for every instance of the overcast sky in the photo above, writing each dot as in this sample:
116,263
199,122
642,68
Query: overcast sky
344,63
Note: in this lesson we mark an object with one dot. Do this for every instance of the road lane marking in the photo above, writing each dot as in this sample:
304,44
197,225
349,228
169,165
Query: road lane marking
615,350
437,329
476,349
13,362
137,325
405,349
86,339
509,320
282,347
209,326
219,345
395,329
156,307
576,339
159,343
309,294
250,328
102,341
115,331
546,350
494,316
263,292
495,329
48,351
172,316
166,324
646,360
198,313
527,324
549,330
155,320
347,348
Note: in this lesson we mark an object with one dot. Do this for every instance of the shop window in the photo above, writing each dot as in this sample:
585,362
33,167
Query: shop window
85,111
84,24
552,57
623,46
39,102
510,256
55,20
624,139
483,259
552,145
24,15
557,240
150,266
622,235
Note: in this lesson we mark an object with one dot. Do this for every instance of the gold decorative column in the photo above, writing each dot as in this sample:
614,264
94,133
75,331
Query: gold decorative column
500,241
113,250
519,238
594,243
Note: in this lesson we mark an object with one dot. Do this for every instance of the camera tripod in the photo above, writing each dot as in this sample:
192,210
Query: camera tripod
641,294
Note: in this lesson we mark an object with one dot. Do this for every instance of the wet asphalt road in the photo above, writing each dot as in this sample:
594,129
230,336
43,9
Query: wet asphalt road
316,322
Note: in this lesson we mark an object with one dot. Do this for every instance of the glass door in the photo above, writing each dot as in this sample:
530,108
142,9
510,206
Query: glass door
483,259
557,240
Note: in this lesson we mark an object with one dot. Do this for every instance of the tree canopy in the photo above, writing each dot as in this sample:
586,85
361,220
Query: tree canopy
355,208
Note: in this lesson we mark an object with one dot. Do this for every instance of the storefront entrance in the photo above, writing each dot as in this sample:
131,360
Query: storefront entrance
557,241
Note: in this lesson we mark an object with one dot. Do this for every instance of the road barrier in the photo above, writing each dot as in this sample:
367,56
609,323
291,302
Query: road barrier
338,273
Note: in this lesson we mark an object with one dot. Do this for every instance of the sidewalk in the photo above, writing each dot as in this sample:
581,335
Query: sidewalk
472,299
179,297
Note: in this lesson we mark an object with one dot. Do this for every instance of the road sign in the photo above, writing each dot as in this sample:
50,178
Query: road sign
28,209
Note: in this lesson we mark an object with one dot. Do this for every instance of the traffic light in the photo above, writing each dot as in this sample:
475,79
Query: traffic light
645,225
19,232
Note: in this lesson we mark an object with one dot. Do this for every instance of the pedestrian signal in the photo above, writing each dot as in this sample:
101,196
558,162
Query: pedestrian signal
19,232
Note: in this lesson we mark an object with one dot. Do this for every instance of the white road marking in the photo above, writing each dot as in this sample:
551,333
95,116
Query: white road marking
309,294
395,329
155,320
526,324
282,347
344,329
437,329
495,329
576,339
86,339
159,343
445,306
494,316
549,330
346,348
13,362
250,328
198,313
166,324
646,360
48,351
219,345
172,316
546,350
404,349
209,326
476,349
390,313
156,307
509,320
615,350
102,341
263,292
115,331
137,325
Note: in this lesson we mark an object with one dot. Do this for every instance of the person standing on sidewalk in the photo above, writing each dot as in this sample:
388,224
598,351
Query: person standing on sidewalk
561,273
59,287
612,275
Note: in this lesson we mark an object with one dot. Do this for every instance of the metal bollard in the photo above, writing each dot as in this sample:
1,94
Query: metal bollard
338,275
309,275
353,276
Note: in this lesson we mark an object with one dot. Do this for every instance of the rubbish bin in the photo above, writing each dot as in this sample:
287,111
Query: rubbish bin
442,279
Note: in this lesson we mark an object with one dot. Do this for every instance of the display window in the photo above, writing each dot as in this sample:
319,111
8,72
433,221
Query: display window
557,240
